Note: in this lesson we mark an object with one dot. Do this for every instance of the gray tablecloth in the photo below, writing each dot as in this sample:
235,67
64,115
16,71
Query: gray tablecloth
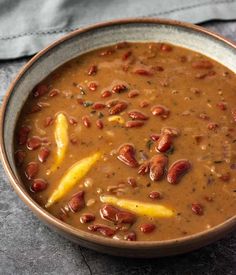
26,26
27,246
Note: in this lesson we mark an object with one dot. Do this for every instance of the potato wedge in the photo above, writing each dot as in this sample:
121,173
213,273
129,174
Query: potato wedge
75,173
140,208
116,118
62,141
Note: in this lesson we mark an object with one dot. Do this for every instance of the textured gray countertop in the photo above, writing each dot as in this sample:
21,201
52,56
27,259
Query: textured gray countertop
27,246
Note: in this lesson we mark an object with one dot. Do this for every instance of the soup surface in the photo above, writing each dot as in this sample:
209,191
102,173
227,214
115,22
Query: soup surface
133,142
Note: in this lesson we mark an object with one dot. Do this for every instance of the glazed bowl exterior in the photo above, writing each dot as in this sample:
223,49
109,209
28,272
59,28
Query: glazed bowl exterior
74,44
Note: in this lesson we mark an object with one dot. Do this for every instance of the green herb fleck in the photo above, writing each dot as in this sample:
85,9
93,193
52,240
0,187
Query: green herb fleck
149,144
88,103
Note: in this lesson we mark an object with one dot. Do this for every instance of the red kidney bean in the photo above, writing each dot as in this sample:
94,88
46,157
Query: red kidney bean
54,92
31,170
87,217
43,154
134,124
19,157
105,94
98,106
147,227
222,106
166,48
112,102
76,203
92,86
73,121
86,121
34,143
109,212
116,215
161,111
119,88
92,70
143,72
38,185
133,93
197,208
40,90
131,236
154,137
177,170
137,115
107,52
118,108
132,182
212,126
225,177
144,104
202,64
102,229
155,195
126,154
23,135
99,124
144,168
48,121
63,215
158,165
125,217
164,143
126,55
35,109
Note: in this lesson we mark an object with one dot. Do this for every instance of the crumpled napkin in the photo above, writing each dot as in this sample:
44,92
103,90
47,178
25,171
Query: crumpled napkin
27,26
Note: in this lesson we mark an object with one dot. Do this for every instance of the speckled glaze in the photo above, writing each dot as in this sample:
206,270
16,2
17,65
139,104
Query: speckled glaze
79,42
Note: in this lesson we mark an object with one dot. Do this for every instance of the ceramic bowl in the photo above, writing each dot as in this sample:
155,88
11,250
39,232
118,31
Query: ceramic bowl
76,43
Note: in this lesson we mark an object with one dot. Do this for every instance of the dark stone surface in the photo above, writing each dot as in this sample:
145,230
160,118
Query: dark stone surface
27,246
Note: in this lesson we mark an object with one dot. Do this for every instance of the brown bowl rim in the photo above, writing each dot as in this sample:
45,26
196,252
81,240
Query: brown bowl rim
215,232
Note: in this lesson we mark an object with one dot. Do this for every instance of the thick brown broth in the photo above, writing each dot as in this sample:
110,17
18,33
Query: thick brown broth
173,104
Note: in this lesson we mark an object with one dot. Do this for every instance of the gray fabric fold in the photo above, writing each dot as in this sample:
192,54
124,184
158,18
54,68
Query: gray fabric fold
27,26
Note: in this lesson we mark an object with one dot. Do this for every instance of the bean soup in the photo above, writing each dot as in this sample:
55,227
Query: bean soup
136,142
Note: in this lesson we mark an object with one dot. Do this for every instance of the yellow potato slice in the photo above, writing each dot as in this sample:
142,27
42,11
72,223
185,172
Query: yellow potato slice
62,141
73,175
140,208
116,118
